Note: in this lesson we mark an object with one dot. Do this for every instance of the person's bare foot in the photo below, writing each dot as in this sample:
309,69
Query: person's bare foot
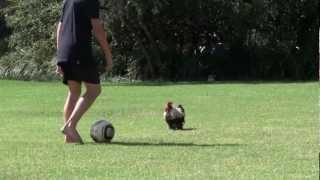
79,139
72,134
67,139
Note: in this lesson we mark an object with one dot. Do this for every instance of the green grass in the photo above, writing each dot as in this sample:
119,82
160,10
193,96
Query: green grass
241,131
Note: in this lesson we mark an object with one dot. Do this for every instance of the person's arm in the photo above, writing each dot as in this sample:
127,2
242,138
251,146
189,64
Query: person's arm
59,28
58,68
101,36
58,33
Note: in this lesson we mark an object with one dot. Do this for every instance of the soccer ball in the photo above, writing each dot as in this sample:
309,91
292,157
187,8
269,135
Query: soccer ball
102,131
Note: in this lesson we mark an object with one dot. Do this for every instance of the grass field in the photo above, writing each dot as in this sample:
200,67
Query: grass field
240,131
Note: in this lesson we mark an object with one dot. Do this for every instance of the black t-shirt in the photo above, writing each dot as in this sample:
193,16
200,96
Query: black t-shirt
75,36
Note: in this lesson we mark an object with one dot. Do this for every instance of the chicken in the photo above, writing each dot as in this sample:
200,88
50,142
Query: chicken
174,116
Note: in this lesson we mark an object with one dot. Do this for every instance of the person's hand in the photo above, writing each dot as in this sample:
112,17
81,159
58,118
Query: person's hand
59,70
109,64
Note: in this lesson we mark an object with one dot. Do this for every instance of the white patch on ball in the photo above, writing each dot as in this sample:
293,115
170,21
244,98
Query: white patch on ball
102,131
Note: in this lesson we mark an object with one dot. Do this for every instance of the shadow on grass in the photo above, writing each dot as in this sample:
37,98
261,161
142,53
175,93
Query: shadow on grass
166,144
188,129
184,129
174,144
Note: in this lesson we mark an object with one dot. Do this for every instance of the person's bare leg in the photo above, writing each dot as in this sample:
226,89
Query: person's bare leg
83,104
71,101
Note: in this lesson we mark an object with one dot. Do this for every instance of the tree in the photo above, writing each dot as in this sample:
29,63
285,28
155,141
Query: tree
31,43
178,40
262,39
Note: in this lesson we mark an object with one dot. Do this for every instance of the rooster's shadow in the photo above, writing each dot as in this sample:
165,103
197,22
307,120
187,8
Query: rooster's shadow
188,129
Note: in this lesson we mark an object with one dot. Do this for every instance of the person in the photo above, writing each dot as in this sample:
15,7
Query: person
75,62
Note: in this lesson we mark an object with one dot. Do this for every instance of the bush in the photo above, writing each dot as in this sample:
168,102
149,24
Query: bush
175,40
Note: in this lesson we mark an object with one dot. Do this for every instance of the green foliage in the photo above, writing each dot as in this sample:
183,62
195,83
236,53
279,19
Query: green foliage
32,41
4,31
177,40
262,39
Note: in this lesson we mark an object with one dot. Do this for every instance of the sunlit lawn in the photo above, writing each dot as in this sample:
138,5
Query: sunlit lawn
236,131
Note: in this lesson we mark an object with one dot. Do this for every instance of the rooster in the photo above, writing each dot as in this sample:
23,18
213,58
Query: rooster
174,116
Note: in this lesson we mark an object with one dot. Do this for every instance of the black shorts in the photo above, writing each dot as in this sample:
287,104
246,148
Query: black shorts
89,74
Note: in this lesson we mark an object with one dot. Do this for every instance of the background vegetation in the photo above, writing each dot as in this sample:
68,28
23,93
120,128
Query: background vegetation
174,39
